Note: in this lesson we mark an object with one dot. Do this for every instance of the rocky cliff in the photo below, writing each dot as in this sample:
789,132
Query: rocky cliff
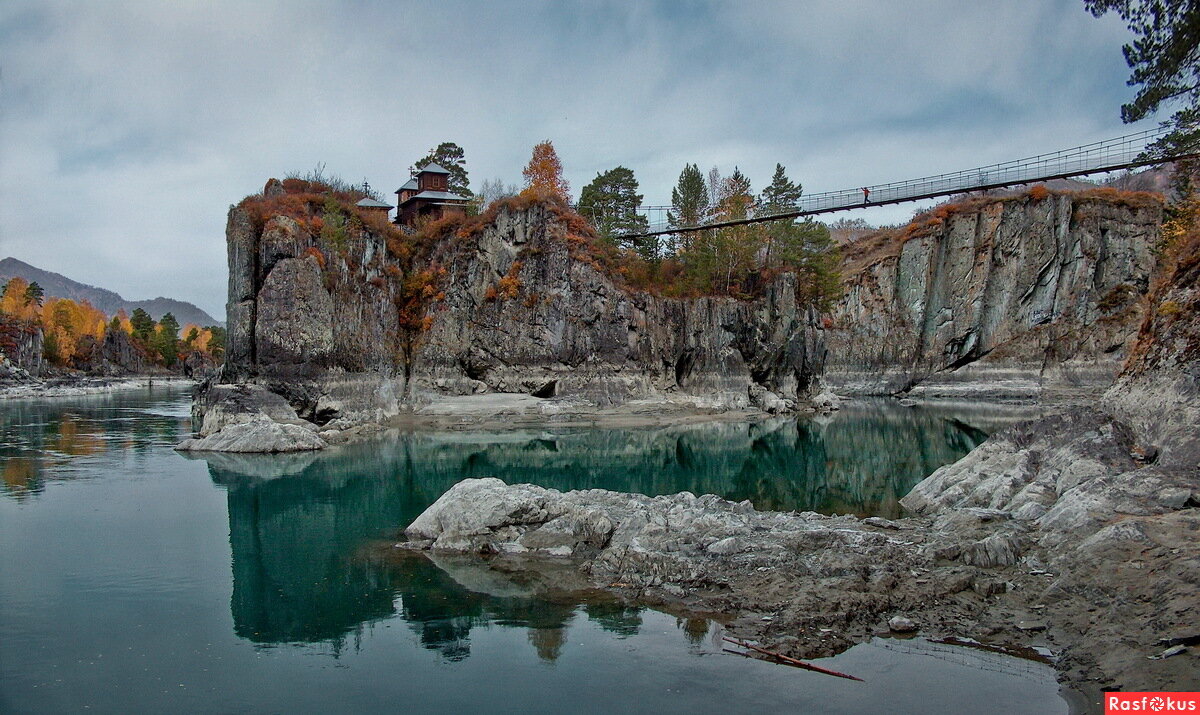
511,303
20,349
1026,296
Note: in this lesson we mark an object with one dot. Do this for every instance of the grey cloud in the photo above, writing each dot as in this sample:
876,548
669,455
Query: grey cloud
128,128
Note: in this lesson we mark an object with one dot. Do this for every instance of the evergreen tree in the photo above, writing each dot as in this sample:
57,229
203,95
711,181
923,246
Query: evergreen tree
689,198
143,325
452,158
806,248
781,194
1165,64
115,324
166,339
216,343
34,294
611,201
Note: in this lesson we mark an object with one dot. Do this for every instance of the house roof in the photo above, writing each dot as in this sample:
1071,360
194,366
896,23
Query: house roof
432,168
437,196
369,202
410,184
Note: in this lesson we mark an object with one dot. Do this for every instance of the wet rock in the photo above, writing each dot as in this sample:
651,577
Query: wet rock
258,435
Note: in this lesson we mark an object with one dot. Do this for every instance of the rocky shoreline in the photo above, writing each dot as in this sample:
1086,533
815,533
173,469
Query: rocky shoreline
249,418
76,386
1103,596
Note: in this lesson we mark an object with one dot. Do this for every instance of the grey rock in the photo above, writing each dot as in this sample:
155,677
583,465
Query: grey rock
259,435
294,316
1013,298
900,624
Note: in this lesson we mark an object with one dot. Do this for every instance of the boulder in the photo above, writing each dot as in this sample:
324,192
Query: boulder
256,435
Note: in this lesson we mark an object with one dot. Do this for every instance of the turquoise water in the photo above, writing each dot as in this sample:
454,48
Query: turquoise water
134,579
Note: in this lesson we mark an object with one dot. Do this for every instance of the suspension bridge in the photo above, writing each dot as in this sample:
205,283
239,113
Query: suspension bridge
1125,152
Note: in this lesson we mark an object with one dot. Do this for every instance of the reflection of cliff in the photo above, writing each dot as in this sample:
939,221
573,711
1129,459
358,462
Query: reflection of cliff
298,522
293,541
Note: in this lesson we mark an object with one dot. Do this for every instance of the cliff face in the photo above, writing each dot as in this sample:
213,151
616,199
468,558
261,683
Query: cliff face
1013,297
524,312
20,349
515,306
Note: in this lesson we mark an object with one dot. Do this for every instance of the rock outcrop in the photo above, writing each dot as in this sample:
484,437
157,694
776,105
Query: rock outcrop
1029,296
20,349
526,313
511,306
1110,494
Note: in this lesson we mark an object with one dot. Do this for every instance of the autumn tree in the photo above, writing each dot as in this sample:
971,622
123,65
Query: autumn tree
491,190
611,202
452,158
543,174
13,302
1165,64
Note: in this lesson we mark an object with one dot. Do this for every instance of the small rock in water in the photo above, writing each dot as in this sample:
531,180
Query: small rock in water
900,624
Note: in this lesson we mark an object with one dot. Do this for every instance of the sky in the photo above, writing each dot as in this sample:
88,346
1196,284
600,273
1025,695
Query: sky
127,129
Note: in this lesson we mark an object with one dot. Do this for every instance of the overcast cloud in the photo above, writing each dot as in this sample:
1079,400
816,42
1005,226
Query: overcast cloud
127,128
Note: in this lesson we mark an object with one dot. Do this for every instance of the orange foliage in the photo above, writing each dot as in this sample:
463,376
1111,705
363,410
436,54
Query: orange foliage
13,302
543,174
1039,192
316,253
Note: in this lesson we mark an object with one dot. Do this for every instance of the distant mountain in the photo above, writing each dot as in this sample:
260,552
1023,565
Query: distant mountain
59,286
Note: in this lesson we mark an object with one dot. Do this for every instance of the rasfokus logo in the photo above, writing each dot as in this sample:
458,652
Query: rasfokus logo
1151,703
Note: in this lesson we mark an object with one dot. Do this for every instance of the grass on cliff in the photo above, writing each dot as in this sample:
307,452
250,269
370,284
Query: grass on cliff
1171,328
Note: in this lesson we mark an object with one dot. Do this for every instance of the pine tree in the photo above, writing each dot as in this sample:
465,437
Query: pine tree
143,325
452,158
781,194
689,198
611,201
34,294
1165,65
166,339
216,343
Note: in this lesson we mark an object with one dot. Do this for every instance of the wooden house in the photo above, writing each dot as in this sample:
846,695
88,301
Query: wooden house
427,194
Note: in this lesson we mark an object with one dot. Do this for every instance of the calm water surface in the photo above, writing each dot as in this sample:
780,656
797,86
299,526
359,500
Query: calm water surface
132,578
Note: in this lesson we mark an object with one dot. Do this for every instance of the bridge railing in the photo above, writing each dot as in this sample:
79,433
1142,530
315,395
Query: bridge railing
1103,155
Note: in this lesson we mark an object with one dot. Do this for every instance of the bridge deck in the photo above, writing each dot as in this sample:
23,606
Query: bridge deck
1099,157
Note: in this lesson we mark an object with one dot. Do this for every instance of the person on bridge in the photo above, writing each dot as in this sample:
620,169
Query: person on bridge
866,194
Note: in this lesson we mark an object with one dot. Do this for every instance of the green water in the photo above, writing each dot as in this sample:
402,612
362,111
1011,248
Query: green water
133,579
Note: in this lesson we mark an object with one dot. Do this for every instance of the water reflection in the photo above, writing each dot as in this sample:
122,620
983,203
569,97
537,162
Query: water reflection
47,439
298,523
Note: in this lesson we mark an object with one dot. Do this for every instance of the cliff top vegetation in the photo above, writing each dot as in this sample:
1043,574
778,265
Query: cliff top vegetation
886,243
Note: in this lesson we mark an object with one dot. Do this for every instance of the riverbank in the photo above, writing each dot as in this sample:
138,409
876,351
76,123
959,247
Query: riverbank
75,386
1098,572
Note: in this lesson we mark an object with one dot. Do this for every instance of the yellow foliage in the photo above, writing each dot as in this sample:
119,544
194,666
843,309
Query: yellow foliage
543,174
